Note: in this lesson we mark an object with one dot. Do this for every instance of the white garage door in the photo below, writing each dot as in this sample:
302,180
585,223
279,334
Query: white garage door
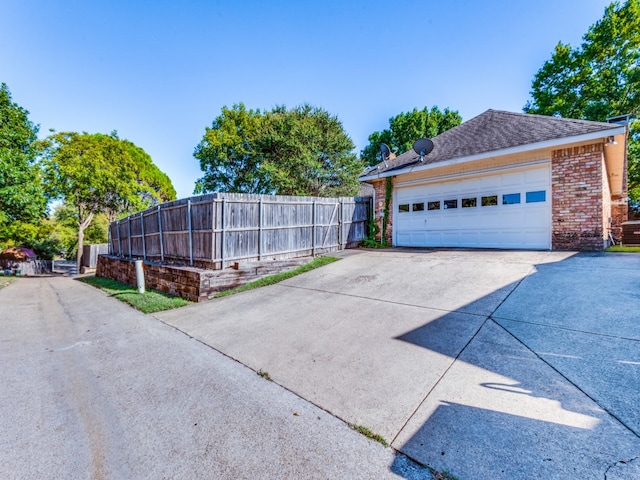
500,210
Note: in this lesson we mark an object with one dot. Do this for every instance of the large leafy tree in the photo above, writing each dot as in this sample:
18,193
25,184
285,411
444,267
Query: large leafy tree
227,153
597,80
299,151
22,199
406,127
305,151
97,173
151,185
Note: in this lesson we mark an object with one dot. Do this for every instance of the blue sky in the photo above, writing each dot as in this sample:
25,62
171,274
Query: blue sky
159,71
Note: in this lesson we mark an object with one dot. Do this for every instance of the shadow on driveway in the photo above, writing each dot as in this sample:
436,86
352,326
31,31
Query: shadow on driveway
455,356
509,407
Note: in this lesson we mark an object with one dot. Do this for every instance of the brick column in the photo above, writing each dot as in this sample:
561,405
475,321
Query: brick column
579,219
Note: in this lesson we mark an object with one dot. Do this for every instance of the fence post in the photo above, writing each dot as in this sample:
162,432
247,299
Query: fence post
129,234
224,205
340,224
160,232
213,230
144,248
260,229
109,241
190,232
119,242
313,228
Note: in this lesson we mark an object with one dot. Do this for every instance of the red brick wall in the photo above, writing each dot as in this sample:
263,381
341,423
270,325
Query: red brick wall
192,283
183,282
579,212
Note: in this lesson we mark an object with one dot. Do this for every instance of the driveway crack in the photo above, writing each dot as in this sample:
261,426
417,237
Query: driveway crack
491,317
613,415
424,399
390,302
621,464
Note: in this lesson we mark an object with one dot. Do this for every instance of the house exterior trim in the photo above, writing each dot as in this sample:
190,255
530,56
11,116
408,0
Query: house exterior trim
549,144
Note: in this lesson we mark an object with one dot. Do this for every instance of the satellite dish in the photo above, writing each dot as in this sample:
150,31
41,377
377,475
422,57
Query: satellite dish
385,151
422,147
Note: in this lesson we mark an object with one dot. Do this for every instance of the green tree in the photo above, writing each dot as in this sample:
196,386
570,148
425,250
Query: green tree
305,151
97,173
227,154
63,224
22,199
301,151
152,185
406,128
597,80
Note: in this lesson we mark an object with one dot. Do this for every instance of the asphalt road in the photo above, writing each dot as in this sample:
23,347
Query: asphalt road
92,389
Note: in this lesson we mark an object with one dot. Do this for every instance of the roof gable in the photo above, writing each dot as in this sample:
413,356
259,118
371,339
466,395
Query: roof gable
494,130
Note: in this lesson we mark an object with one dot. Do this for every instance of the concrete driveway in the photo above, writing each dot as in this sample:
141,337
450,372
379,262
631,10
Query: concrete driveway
489,364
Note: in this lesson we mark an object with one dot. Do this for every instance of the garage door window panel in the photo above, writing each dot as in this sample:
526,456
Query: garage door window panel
469,202
433,205
403,207
418,207
510,198
490,201
451,204
538,196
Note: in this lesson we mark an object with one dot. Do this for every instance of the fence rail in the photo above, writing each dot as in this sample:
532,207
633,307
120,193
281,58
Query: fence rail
218,229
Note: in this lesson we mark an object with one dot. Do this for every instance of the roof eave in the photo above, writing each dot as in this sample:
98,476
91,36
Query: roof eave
556,142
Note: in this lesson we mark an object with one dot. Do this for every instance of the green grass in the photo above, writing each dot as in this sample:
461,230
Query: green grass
369,434
622,248
4,281
278,277
149,302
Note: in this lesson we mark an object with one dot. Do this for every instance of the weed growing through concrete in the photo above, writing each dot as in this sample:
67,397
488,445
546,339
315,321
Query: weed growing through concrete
369,434
264,375
444,475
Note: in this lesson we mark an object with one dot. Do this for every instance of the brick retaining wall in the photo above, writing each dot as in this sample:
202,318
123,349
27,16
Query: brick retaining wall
190,283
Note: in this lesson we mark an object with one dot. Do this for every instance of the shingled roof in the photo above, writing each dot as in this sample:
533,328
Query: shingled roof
491,131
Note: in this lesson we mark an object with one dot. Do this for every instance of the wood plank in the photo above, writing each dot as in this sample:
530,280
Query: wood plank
228,227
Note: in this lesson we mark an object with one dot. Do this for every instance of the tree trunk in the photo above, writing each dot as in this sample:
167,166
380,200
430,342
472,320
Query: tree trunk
80,245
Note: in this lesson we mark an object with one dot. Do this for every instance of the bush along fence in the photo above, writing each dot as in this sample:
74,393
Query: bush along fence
218,230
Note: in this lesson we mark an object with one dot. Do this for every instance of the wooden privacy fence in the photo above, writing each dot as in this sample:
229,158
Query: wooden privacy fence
215,230
30,267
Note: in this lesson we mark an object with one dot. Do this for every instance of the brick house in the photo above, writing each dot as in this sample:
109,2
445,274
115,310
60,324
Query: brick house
508,180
